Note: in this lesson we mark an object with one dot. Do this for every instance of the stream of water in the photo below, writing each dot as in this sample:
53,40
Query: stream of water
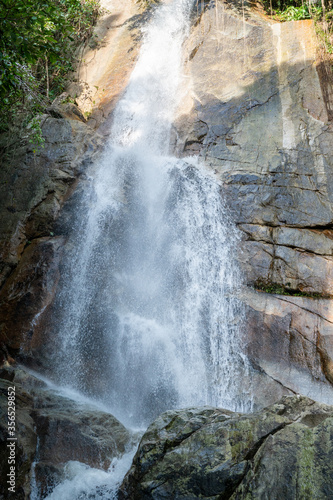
148,313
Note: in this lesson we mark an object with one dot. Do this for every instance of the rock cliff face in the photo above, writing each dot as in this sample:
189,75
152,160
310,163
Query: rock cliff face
284,451
37,182
258,114
33,190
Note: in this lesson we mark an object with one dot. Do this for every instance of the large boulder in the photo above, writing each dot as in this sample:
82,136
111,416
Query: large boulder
283,451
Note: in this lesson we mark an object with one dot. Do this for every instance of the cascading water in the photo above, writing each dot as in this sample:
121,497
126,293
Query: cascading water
148,314
149,318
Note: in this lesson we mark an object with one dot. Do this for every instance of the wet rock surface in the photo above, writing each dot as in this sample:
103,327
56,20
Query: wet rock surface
256,111
28,292
35,185
37,182
283,451
51,430
257,115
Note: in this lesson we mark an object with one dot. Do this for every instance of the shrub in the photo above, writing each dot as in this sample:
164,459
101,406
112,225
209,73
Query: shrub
38,42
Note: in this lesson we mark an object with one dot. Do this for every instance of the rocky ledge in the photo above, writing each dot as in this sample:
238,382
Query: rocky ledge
283,451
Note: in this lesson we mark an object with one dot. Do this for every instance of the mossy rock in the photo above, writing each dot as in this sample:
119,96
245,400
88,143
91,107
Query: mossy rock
283,451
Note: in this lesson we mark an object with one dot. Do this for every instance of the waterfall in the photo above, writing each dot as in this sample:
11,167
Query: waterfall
148,315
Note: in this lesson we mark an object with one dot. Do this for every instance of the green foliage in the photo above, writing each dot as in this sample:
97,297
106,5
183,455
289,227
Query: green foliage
36,137
325,36
278,289
38,40
322,14
283,5
293,13
293,10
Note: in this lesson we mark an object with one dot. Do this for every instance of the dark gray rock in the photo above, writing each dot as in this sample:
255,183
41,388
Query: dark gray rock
51,430
35,184
27,294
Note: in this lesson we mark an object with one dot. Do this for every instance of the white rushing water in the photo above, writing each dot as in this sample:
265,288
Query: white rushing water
83,482
149,319
148,315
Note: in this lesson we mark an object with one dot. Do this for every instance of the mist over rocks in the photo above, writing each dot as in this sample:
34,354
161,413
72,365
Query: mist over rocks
52,429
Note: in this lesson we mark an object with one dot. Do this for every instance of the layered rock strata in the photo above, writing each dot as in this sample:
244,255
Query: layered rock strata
256,112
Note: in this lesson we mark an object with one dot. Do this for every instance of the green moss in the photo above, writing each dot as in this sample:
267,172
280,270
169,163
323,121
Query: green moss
241,439
146,4
325,37
307,480
278,289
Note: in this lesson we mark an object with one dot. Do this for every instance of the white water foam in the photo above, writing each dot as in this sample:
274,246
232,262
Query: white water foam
149,318
148,313
83,482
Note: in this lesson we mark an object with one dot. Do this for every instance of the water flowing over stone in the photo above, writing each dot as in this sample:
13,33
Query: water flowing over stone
260,118
138,274
147,311
149,319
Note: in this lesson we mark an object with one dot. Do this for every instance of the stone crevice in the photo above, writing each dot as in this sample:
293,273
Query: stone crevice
325,360
259,368
256,447
327,257
311,311
322,353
